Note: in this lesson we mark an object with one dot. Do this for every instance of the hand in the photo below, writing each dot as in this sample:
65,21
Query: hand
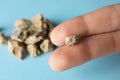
101,31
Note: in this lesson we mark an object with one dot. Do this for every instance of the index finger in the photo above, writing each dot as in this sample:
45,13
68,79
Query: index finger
103,20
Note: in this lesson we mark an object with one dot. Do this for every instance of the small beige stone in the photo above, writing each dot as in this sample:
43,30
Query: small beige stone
19,35
45,26
41,31
22,24
46,45
32,35
3,39
31,31
37,18
72,40
38,25
16,48
33,50
28,22
33,39
50,25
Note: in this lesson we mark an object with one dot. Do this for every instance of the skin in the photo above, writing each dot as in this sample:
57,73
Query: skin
101,37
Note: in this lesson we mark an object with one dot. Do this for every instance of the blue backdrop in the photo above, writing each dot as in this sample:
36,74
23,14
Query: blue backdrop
107,68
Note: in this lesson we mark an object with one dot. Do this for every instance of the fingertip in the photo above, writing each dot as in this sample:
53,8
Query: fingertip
57,35
70,27
54,65
58,62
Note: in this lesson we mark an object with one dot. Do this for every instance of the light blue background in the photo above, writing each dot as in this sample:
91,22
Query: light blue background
107,68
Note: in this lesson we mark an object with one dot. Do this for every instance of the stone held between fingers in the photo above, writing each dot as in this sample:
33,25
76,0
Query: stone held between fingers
72,40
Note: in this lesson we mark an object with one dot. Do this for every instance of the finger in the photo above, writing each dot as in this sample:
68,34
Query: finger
87,49
100,21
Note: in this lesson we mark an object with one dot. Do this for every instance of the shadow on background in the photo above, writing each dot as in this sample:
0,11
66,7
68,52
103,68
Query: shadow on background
2,29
